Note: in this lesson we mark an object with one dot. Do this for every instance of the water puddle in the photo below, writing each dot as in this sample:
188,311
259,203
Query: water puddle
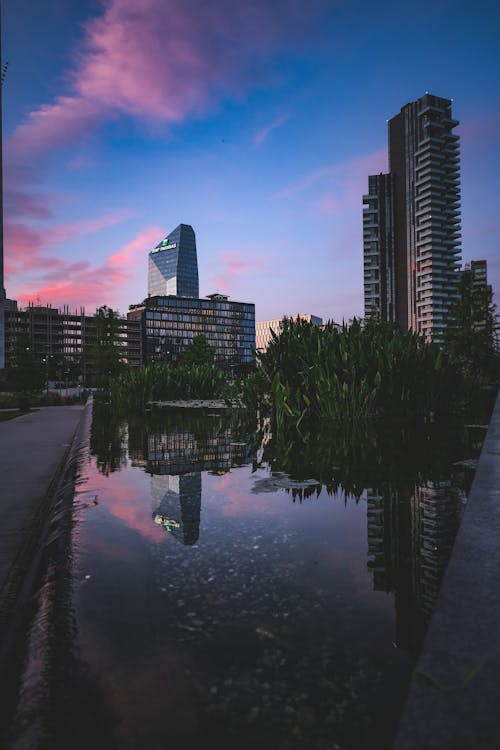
208,600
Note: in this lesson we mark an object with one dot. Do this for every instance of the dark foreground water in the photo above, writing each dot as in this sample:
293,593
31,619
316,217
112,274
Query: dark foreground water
197,597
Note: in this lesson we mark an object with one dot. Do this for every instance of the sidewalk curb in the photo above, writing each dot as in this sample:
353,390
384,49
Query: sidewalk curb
16,587
452,702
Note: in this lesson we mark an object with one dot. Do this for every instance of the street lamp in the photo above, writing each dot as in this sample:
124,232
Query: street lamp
46,360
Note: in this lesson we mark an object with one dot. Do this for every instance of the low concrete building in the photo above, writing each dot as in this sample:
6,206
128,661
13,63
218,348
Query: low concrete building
264,328
65,340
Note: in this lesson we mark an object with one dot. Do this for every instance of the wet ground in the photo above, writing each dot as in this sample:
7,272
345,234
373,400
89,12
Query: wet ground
192,597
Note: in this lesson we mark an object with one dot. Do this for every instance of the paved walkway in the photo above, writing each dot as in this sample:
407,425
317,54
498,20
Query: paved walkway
32,448
454,697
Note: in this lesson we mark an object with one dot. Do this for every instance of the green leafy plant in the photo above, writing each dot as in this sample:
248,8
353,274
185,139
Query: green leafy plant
352,374
162,382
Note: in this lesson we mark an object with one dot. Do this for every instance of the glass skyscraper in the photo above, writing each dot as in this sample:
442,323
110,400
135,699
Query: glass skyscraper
173,265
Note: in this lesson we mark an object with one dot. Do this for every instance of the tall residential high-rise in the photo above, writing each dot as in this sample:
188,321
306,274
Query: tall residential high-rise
424,159
424,199
378,243
173,265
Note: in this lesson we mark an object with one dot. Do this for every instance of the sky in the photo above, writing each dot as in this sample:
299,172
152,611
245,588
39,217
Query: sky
255,121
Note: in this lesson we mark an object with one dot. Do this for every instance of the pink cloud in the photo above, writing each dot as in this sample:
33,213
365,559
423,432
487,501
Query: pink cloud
128,502
21,241
234,264
28,205
158,61
81,227
27,244
82,283
81,161
52,126
232,501
329,204
340,186
164,60
133,251
480,127
261,135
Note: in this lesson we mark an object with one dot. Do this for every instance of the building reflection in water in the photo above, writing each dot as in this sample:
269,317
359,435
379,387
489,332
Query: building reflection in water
180,451
175,458
177,504
410,538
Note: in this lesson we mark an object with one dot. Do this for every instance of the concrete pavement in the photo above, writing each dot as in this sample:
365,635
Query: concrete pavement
32,450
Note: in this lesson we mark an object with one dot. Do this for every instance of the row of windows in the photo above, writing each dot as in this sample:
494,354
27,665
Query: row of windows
171,303
220,339
200,315
200,325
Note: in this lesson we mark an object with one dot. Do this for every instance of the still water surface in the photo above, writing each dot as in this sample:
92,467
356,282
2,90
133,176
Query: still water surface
207,599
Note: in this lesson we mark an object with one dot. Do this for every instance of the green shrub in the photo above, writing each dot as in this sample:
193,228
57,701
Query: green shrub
23,402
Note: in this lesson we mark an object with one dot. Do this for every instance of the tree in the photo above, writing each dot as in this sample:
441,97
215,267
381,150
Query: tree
27,372
106,354
198,352
472,328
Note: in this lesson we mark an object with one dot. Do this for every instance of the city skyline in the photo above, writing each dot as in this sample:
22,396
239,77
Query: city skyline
259,128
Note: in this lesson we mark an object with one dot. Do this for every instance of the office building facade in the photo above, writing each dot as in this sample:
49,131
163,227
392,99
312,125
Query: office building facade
424,199
173,265
169,324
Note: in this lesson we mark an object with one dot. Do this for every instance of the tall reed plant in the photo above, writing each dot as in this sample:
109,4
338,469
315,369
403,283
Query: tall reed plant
354,373
162,382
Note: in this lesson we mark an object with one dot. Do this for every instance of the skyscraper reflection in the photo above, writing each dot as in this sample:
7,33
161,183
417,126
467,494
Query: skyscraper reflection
180,450
410,537
176,502
175,453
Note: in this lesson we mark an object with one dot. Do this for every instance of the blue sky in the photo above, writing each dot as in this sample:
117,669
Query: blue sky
257,123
